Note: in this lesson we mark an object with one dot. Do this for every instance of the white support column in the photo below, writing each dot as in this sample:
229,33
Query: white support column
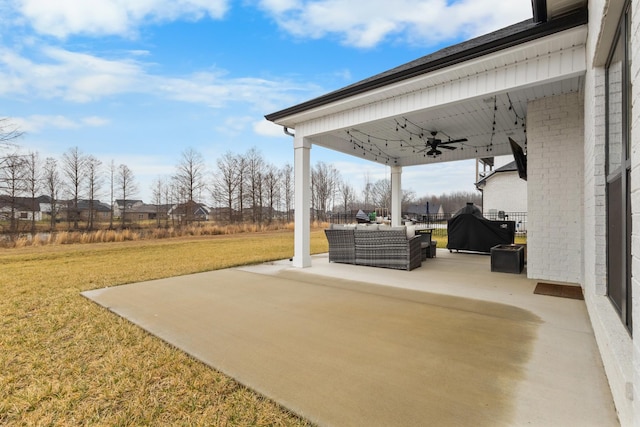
396,195
302,202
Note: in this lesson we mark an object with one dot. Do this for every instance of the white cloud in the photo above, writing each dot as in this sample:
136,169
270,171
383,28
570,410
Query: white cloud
424,22
38,123
68,75
216,90
267,128
234,125
95,121
61,18
82,78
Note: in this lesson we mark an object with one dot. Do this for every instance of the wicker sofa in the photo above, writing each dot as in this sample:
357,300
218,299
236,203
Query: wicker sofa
373,245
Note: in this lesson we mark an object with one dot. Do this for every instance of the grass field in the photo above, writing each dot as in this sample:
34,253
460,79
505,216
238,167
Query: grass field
66,361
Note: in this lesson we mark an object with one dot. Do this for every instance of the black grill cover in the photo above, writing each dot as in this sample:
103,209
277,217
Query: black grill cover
469,232
470,208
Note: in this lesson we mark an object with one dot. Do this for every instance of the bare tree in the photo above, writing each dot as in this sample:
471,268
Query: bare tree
347,196
12,184
241,170
255,173
94,184
272,189
52,183
11,168
173,198
452,202
112,183
366,192
8,130
73,167
381,196
127,187
324,184
226,182
158,192
190,177
286,180
32,184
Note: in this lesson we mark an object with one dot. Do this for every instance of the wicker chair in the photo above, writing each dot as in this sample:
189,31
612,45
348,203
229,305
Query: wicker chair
342,247
388,248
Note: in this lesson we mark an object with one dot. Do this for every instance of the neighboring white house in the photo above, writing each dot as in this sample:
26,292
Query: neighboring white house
24,208
563,85
503,191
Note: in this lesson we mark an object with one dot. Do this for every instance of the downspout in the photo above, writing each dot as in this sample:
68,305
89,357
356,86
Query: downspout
539,11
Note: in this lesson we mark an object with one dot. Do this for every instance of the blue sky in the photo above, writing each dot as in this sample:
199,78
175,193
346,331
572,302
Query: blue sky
139,81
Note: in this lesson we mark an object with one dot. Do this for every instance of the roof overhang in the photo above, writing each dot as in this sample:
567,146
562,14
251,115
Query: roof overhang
479,92
468,51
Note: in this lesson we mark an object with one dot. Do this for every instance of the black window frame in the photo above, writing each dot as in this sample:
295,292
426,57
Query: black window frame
622,171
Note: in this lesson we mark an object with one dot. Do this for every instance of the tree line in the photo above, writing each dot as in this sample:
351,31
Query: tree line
239,187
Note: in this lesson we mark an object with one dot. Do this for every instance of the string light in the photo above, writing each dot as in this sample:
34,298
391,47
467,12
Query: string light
373,144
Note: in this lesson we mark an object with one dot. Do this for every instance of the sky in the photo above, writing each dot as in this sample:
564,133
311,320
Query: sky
138,82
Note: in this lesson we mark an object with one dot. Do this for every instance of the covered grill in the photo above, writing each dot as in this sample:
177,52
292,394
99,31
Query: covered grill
468,230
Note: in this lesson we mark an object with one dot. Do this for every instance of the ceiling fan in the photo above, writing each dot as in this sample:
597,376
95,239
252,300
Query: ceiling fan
433,144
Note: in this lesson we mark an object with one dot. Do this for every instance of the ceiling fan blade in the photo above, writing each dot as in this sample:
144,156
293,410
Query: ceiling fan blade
456,140
447,147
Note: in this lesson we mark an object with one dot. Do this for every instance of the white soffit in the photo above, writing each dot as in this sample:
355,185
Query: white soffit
483,101
544,60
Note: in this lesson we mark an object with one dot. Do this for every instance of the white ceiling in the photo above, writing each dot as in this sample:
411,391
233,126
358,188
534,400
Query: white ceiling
471,119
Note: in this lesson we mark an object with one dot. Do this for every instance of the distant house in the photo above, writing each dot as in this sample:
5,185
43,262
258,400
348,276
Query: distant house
424,212
503,191
146,212
101,211
189,211
24,208
121,205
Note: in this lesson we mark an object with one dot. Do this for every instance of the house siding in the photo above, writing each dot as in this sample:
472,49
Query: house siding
555,130
504,191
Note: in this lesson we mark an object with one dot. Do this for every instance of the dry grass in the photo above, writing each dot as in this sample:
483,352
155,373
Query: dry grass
66,361
109,236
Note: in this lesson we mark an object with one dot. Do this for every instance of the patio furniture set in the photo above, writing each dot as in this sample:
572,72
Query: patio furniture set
378,245
405,247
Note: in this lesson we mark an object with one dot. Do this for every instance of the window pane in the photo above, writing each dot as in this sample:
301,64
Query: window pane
615,106
627,82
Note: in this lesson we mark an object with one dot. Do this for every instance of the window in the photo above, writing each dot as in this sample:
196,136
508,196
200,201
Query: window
618,171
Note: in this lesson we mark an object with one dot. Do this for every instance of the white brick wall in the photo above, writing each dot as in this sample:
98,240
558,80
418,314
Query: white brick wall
555,135
594,184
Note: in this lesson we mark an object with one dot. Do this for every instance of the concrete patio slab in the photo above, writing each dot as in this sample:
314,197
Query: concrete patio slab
449,343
